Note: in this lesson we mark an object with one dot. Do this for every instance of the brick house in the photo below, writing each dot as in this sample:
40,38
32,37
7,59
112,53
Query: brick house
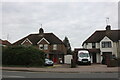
53,47
103,44
4,43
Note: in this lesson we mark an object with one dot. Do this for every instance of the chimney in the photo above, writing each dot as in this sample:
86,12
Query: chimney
108,27
41,31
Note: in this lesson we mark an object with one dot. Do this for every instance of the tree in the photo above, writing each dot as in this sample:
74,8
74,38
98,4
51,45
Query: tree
67,45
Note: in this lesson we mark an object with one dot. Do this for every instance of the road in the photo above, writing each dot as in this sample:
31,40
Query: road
20,74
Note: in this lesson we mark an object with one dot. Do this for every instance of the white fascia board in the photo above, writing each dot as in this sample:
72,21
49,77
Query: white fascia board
43,39
26,40
106,40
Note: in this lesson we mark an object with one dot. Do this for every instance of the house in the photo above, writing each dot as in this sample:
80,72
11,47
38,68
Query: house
103,45
49,43
4,43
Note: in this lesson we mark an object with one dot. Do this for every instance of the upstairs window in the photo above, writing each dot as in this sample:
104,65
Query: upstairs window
55,47
106,44
41,46
46,47
93,45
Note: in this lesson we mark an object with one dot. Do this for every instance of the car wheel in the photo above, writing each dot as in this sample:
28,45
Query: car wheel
89,63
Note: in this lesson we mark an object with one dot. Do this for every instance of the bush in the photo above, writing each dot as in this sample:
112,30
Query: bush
21,55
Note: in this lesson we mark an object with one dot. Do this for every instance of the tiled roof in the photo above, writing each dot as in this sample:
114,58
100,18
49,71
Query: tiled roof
97,36
4,42
35,38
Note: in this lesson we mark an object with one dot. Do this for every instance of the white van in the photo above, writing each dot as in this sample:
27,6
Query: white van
84,57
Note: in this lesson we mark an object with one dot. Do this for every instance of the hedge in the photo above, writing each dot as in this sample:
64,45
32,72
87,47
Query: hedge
21,55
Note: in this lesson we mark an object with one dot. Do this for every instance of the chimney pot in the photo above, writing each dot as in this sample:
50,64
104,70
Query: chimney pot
108,27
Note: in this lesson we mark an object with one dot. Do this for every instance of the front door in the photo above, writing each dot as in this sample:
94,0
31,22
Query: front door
55,59
94,57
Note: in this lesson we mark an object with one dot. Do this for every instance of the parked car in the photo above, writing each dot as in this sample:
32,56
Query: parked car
48,62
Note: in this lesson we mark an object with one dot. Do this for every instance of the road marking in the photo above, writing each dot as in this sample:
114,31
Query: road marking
13,76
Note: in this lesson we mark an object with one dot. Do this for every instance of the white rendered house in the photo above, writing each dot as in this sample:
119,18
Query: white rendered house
103,44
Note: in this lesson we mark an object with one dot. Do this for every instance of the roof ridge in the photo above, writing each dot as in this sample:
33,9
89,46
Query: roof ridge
38,33
105,30
99,30
51,37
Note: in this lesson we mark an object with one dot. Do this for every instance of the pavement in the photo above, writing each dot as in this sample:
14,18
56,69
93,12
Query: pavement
65,68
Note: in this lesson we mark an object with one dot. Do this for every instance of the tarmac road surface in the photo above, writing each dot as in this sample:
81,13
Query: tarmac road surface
25,74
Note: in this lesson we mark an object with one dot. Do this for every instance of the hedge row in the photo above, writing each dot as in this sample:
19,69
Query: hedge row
21,55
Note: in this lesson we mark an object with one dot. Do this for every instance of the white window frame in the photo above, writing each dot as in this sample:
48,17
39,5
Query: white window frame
41,45
104,45
55,47
45,46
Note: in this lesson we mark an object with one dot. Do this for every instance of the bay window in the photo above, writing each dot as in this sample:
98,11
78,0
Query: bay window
106,44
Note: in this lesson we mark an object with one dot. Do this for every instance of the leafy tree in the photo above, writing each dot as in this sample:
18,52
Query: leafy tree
21,55
67,44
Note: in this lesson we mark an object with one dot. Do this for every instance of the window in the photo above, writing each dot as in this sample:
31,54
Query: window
84,55
106,44
93,45
86,43
46,47
41,46
55,47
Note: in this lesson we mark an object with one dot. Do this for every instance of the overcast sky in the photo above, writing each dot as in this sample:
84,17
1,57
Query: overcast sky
76,20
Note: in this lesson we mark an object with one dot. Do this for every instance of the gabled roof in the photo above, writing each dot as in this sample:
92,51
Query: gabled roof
26,40
4,42
42,40
35,38
97,36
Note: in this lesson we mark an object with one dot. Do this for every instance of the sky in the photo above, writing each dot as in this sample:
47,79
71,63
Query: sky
76,20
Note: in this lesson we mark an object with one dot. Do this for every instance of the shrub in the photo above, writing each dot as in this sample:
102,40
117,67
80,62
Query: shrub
21,55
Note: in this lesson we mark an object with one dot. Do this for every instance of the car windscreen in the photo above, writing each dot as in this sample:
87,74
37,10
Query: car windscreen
48,60
83,55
